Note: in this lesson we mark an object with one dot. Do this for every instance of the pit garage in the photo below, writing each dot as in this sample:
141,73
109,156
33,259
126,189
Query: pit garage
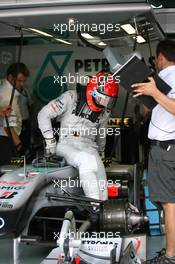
47,215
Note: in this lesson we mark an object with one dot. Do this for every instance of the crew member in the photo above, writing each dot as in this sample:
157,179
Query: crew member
161,167
10,127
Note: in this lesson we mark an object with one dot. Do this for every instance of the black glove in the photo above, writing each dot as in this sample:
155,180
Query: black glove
20,150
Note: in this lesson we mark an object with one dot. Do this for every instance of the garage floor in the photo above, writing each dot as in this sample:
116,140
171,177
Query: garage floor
35,254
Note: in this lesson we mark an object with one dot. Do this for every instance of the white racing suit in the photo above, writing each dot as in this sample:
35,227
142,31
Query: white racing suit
80,140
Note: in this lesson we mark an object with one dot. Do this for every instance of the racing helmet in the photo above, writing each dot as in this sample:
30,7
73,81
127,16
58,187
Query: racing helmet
101,92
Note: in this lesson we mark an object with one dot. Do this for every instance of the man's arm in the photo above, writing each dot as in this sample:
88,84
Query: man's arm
15,136
53,109
151,89
101,135
10,125
5,111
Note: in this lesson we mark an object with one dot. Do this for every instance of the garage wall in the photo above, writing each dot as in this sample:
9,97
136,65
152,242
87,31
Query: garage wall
55,69
7,56
47,61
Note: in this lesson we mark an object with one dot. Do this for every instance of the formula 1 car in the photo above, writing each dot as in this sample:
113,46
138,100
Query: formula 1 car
103,232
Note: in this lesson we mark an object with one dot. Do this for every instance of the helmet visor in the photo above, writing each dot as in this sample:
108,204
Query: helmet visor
104,100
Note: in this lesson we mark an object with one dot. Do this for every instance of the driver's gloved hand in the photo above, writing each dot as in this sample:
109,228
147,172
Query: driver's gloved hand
50,148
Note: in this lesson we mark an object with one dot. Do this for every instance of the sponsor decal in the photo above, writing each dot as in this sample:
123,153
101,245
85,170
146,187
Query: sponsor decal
6,205
17,188
138,245
98,242
15,183
45,87
8,195
102,247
